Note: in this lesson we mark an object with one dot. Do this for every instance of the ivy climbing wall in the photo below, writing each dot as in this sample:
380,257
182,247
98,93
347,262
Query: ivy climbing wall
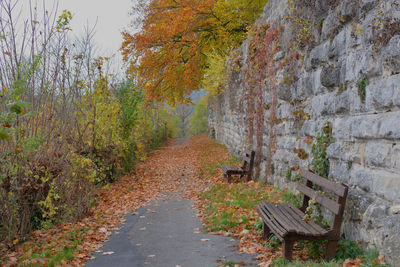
317,84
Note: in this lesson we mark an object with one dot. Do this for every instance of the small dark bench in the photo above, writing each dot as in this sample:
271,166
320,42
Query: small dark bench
287,221
245,169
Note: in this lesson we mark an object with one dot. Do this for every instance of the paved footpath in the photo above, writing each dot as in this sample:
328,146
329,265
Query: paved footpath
166,233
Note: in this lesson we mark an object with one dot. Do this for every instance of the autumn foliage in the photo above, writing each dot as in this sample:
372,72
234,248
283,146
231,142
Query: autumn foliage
171,54
68,126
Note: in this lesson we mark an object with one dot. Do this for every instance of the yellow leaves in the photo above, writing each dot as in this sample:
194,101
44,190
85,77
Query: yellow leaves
215,75
63,21
178,39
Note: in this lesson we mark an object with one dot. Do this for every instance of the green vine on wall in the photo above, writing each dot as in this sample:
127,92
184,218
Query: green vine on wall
320,163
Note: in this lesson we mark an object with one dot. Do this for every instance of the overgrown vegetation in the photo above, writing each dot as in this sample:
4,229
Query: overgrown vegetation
362,85
67,125
320,162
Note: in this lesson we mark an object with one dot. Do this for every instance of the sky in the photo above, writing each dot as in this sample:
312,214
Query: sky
112,16
109,17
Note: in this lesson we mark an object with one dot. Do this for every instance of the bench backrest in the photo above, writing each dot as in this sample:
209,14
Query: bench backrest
336,205
248,162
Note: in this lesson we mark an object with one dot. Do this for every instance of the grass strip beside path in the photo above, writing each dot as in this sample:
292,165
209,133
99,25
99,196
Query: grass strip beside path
230,210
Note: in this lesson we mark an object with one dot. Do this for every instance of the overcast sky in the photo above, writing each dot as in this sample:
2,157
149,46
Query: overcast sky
112,16
109,16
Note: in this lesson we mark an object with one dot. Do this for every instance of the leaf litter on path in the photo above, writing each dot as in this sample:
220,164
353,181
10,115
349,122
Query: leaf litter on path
159,174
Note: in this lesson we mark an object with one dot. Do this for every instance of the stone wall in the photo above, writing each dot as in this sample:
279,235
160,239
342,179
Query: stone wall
355,51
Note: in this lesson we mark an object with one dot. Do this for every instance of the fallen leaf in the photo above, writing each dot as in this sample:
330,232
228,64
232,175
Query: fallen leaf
108,252
204,239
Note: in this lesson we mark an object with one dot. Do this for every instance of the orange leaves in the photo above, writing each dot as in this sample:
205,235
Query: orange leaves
352,263
169,54
169,49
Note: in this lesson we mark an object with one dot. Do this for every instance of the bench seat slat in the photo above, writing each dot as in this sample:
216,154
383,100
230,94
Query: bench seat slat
295,217
323,200
272,224
289,220
232,169
289,225
336,188
310,222
310,226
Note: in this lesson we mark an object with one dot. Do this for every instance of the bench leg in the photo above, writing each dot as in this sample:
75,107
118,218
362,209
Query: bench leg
287,250
330,250
229,178
266,230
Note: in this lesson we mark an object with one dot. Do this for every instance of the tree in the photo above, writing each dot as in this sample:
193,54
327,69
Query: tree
184,112
169,54
199,120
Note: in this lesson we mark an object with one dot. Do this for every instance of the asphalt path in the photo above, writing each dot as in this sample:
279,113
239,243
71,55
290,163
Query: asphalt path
167,233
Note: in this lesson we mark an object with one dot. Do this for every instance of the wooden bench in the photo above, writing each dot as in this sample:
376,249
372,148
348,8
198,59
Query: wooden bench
287,221
245,169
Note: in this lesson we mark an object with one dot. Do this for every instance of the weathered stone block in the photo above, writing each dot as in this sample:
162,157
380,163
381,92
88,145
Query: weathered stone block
348,9
342,103
286,142
342,128
377,153
321,8
315,79
390,126
365,126
330,76
392,54
338,45
367,5
318,56
386,185
380,95
395,156
362,177
285,92
374,215
322,105
308,128
357,203
339,171
391,241
331,26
